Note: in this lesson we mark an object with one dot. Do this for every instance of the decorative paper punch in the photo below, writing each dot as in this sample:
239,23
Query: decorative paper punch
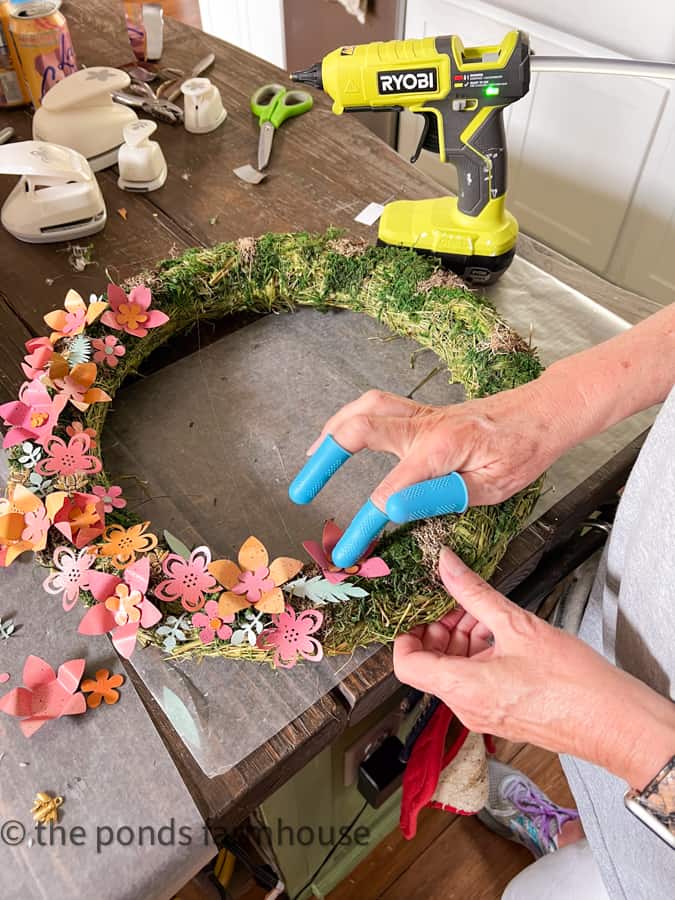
435,497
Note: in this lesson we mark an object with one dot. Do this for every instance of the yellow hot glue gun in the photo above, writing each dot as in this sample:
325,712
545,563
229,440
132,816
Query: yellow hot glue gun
461,92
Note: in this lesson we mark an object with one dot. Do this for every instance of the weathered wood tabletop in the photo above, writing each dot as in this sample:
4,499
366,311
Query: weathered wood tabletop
323,172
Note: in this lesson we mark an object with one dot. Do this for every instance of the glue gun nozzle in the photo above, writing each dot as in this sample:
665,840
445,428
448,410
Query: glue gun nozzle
311,76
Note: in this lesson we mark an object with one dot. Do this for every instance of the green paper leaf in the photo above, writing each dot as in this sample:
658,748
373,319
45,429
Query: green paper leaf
320,591
176,546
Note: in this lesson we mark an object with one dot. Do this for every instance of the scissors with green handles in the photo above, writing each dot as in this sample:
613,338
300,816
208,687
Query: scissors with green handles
273,104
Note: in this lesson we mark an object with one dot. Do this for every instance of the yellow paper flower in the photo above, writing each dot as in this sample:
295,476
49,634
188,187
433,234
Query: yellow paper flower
24,524
255,581
122,544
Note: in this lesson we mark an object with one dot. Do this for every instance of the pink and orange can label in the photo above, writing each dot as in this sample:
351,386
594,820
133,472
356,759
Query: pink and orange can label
42,41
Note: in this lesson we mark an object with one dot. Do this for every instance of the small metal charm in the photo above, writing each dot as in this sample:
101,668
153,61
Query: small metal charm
45,808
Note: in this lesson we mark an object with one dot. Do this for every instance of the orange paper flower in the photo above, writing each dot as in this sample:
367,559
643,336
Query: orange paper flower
122,544
103,688
75,317
255,581
23,524
76,384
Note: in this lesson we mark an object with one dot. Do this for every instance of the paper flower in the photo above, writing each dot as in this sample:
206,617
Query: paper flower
33,417
255,581
289,634
111,497
76,384
211,624
79,517
132,314
72,458
75,317
120,612
31,455
71,575
78,428
46,695
122,544
23,524
40,352
102,688
367,567
189,579
108,350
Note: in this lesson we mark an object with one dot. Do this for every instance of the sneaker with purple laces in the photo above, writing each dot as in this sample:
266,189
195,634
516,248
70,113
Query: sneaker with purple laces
518,810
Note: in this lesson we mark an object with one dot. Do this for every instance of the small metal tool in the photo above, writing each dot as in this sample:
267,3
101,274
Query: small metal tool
6,134
159,109
173,91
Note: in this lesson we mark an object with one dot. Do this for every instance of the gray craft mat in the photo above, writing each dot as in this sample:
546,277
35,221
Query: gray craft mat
218,435
109,765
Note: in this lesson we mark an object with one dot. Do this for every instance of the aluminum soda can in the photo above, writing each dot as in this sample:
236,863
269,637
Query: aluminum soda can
42,40
13,91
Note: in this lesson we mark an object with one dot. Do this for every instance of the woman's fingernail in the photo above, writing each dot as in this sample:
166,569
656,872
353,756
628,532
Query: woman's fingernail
451,563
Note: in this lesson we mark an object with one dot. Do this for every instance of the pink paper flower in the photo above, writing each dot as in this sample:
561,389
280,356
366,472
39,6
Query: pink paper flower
254,584
33,417
36,526
78,428
111,497
289,634
120,612
132,314
79,517
46,695
72,574
40,352
367,567
108,350
212,624
189,579
72,458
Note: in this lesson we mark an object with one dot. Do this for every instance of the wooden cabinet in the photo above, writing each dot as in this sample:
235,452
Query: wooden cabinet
591,157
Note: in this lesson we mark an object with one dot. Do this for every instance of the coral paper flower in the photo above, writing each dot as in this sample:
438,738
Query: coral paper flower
211,624
33,417
289,634
189,579
71,575
132,314
114,605
111,497
72,458
255,581
108,350
40,352
76,384
122,544
75,317
79,517
23,524
78,428
367,567
102,688
46,695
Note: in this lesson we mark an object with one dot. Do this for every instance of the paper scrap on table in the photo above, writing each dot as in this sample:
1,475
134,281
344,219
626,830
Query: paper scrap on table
370,214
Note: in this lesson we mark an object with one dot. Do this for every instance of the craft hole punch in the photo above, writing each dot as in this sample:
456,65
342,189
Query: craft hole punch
142,165
204,110
423,500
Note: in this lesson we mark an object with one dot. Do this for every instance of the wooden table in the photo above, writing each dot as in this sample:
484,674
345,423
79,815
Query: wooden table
324,170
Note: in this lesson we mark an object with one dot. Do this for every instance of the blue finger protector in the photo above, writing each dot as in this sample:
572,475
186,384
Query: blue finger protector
364,528
426,499
317,471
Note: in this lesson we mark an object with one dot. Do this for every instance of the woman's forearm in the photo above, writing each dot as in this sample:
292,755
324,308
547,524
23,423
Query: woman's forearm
598,387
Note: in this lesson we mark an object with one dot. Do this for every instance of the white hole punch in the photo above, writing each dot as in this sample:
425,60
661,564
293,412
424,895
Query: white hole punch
204,109
141,161
57,197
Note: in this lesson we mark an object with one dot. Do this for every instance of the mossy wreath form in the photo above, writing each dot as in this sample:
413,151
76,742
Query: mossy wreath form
406,292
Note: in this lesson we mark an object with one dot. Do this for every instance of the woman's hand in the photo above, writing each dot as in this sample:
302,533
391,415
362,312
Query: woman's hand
499,444
505,672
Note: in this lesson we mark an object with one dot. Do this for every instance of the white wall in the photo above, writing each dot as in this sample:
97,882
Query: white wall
253,25
638,28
